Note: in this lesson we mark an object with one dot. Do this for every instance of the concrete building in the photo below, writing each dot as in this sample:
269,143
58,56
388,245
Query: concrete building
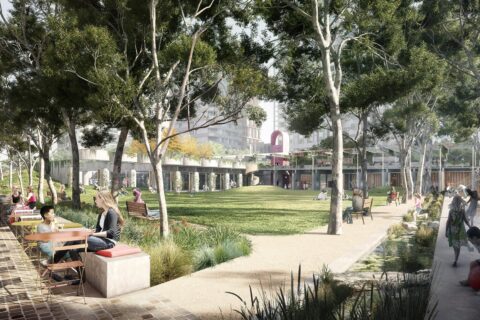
240,135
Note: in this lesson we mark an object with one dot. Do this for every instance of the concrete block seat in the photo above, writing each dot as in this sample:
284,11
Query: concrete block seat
118,271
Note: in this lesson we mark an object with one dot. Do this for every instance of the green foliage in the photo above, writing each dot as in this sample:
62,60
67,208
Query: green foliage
395,231
408,217
425,236
204,258
168,262
326,298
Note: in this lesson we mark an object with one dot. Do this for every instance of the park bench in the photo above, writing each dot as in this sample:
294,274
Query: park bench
118,271
139,210
366,209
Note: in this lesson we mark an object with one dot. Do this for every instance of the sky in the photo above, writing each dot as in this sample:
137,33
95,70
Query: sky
267,126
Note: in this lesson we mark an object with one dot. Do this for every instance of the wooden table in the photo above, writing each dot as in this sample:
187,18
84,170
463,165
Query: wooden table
34,223
61,236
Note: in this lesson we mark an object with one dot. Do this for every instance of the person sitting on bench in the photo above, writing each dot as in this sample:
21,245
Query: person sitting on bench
392,195
357,205
138,199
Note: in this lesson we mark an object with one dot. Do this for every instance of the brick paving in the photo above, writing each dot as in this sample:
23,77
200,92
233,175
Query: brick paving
21,296
201,295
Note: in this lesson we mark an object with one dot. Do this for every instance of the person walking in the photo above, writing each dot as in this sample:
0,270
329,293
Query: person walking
455,230
472,205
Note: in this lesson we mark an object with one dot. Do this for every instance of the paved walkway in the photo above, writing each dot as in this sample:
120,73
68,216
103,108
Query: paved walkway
20,297
202,294
274,257
454,301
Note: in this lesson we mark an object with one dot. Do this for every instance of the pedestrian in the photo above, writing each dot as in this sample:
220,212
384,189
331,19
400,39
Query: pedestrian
474,236
31,198
455,230
472,205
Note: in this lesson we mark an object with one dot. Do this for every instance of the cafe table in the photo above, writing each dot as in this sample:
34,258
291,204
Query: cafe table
28,225
62,236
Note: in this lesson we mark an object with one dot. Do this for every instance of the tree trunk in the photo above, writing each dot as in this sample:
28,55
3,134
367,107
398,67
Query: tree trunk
1,171
30,165
20,178
75,163
335,221
10,176
403,173
48,177
117,162
421,167
409,173
158,172
427,175
364,155
41,177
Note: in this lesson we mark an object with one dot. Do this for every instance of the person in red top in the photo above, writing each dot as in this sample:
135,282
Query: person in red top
31,198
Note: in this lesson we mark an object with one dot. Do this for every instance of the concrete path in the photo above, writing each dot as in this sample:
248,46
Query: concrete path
202,294
273,259
454,301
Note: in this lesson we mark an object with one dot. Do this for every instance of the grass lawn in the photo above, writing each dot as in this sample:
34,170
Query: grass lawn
252,210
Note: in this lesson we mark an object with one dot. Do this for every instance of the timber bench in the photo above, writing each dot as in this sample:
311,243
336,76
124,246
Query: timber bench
139,210
118,271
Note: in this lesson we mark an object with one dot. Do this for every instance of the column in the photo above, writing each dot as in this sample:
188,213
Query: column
178,181
133,178
240,180
211,181
196,181
227,181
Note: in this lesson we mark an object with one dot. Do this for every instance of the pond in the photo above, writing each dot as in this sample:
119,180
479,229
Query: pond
400,254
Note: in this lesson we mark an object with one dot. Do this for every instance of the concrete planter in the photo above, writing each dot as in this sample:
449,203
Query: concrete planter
170,161
209,163
190,162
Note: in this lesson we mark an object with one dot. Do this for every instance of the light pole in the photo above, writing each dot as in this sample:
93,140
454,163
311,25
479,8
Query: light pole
357,182
383,169
274,170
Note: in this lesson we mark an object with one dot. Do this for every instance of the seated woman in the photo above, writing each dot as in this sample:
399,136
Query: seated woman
31,199
17,205
62,194
137,194
392,195
138,199
16,195
107,230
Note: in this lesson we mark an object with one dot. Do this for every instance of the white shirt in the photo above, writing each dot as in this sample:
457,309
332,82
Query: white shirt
102,220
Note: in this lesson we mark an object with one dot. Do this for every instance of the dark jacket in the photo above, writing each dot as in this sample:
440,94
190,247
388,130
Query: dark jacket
110,225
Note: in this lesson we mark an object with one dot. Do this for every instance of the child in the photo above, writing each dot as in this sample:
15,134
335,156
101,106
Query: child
455,230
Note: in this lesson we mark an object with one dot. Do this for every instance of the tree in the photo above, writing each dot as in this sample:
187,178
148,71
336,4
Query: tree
335,56
406,120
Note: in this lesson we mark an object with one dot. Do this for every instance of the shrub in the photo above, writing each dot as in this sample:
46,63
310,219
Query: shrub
217,235
403,298
408,217
87,218
204,257
395,231
187,238
167,262
425,236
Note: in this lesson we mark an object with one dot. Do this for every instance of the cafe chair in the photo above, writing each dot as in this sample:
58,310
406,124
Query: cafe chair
80,244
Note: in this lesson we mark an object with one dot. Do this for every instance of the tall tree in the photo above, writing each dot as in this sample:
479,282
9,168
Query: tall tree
334,56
